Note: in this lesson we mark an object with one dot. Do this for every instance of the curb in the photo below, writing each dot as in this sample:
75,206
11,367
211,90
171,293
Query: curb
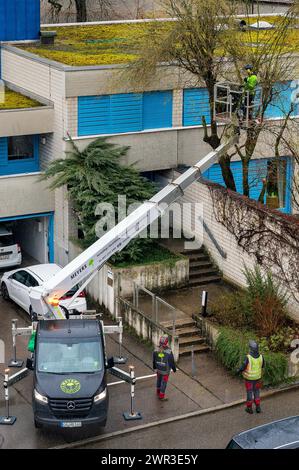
193,414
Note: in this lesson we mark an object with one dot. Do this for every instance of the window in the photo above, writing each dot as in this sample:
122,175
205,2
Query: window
70,357
196,105
20,276
124,112
20,147
6,240
19,154
30,281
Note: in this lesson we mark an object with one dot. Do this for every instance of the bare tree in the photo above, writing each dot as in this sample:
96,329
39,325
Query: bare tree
82,8
205,42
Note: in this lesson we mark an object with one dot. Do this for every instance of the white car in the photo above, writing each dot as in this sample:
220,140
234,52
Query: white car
16,285
10,251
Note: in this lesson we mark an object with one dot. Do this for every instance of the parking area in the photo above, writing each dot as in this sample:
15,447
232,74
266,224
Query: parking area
31,235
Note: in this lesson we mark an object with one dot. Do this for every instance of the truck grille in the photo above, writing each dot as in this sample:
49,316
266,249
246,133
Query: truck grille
77,408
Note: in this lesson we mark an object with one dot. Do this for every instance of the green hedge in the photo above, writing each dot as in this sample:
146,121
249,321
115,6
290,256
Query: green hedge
232,346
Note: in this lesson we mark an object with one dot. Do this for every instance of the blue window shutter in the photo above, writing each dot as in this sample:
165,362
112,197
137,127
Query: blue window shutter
157,109
93,115
257,171
196,105
281,102
3,151
125,112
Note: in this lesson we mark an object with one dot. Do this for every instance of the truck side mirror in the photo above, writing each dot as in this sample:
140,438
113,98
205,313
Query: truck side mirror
29,364
110,363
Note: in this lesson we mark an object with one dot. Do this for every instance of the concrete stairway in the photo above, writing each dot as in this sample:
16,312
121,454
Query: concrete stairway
189,336
201,269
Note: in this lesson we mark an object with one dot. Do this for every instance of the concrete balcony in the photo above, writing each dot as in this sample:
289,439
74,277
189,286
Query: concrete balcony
37,120
24,194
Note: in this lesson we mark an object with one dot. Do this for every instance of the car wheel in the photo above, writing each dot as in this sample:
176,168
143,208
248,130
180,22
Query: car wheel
4,291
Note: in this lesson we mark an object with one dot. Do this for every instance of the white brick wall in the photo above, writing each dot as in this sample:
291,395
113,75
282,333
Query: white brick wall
232,266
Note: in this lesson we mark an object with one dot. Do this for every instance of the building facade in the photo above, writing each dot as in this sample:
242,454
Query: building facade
161,124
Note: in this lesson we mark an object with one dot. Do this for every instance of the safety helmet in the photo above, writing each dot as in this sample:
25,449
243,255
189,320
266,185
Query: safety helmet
163,343
253,346
248,67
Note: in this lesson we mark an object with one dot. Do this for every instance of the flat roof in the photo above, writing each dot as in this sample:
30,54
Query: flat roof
117,43
10,99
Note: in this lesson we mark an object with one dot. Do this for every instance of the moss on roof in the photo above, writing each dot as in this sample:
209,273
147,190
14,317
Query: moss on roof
118,43
13,100
93,45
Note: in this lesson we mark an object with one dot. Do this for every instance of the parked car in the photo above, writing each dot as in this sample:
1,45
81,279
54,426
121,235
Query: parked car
10,251
16,285
282,434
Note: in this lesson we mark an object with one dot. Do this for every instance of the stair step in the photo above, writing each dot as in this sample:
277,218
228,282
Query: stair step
187,341
199,251
198,257
180,323
187,331
197,348
204,271
196,264
204,280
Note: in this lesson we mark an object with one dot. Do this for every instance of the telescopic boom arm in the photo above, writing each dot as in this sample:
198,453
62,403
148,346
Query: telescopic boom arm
45,298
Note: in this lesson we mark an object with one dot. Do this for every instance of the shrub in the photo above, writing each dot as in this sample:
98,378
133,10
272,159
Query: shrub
267,301
231,309
232,347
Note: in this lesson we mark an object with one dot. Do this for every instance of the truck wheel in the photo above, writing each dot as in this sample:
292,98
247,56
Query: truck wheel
4,291
37,425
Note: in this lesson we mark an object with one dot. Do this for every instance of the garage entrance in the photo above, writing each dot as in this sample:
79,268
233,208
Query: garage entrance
35,235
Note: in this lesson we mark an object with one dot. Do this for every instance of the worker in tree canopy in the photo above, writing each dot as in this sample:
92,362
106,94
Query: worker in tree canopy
249,88
250,82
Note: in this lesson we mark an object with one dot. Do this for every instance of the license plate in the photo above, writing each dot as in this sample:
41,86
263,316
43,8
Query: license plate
2,257
70,424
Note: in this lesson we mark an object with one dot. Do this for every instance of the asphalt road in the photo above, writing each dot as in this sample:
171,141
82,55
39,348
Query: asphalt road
211,431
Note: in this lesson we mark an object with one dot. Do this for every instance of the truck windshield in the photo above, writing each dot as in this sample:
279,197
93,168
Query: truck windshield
69,357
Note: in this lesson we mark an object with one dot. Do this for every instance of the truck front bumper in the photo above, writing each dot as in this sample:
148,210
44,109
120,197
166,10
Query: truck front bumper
97,416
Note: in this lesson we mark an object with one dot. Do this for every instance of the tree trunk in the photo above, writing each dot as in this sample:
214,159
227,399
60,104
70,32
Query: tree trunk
245,165
227,173
81,11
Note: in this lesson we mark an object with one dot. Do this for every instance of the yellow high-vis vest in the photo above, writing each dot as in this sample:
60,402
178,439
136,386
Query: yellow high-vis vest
253,370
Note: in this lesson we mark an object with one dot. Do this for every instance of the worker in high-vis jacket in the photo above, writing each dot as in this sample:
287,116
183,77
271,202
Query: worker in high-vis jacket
252,370
250,84
163,363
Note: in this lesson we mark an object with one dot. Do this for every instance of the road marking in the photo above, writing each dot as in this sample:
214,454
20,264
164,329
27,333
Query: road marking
192,414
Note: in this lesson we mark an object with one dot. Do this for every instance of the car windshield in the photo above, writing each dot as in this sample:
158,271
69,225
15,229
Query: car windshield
6,240
68,357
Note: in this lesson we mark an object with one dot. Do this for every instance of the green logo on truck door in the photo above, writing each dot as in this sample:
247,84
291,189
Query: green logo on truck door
70,386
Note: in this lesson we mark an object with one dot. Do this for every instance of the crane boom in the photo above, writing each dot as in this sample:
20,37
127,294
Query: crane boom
44,298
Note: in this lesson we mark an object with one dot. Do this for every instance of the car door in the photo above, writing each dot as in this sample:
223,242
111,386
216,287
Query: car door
30,282
18,289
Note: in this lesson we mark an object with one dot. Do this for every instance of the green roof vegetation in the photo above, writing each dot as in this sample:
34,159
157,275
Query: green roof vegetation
118,43
13,100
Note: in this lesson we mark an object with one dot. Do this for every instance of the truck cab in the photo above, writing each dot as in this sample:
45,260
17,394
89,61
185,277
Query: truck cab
69,364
